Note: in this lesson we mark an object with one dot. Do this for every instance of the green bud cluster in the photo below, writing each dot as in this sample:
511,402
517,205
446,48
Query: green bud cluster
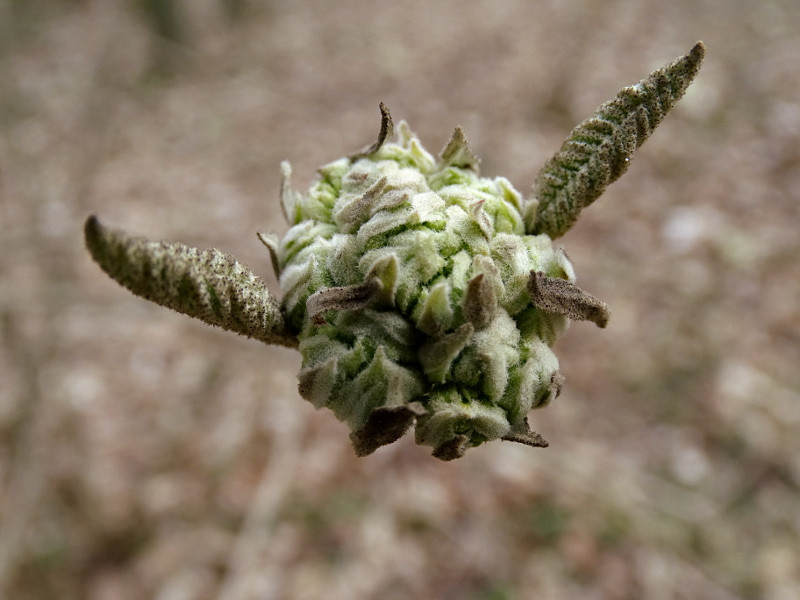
407,278
418,292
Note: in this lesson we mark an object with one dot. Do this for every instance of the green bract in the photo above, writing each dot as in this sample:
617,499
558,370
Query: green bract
417,291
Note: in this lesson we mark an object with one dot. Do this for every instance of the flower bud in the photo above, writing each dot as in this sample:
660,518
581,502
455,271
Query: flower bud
407,277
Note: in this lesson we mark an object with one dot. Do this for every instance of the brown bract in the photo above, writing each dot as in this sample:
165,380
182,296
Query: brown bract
564,298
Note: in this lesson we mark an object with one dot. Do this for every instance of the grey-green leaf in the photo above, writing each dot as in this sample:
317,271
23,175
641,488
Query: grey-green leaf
522,434
387,128
205,284
385,424
457,153
559,296
599,150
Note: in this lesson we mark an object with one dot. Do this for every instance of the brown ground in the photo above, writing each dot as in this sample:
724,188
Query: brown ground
143,455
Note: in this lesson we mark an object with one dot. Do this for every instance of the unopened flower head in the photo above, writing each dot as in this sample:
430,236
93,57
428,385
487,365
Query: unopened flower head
407,276
418,292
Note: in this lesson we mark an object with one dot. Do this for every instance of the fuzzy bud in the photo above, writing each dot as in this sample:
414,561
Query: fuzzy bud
407,277
419,293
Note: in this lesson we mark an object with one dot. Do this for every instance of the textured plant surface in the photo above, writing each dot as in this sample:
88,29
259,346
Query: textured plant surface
416,290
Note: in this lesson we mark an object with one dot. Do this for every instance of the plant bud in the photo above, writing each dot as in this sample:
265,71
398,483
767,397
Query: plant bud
407,277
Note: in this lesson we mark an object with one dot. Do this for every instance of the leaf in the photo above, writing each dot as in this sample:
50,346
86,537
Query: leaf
351,297
599,150
385,424
206,284
522,434
457,153
386,130
564,298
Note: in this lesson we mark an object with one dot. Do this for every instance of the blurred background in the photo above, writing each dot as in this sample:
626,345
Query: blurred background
145,455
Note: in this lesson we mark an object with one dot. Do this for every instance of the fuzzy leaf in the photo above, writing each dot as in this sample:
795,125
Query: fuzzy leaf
387,127
522,434
351,297
452,424
438,354
599,150
208,284
480,301
385,425
559,296
457,153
